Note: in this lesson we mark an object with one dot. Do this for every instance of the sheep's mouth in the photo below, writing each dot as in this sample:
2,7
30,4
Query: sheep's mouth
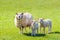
17,19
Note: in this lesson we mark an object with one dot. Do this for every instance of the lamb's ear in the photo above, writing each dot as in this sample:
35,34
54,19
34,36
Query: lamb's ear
16,13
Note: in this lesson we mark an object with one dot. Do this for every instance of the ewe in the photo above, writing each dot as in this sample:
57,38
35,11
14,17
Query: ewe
23,20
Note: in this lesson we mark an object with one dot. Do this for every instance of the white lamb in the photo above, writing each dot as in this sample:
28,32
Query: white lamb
34,27
45,23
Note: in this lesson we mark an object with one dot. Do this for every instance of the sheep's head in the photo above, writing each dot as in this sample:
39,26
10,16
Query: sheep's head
41,20
19,16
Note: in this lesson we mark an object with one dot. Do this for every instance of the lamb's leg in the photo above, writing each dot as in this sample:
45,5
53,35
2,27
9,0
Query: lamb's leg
40,29
37,30
32,32
49,29
44,30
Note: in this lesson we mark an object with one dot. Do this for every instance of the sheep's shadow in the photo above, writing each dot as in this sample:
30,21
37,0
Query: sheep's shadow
40,35
54,33
37,35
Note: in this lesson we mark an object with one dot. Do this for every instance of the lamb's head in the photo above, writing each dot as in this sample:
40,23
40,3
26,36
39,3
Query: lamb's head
41,20
19,16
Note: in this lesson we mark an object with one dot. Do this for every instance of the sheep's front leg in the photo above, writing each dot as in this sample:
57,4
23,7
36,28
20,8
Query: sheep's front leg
21,30
37,30
33,32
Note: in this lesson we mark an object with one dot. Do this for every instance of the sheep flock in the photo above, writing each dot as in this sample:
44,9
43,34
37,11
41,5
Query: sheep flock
25,19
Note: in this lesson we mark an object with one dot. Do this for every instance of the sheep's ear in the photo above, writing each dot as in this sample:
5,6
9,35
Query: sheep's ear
16,13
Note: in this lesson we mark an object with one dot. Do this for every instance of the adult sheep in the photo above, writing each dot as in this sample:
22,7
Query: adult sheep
23,20
45,23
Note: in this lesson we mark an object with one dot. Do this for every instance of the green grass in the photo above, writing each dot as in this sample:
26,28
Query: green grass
38,8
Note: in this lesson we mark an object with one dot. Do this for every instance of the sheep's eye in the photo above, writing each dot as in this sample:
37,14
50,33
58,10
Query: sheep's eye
19,16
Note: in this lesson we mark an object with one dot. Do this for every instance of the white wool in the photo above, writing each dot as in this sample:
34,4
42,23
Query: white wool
47,22
26,20
16,22
28,17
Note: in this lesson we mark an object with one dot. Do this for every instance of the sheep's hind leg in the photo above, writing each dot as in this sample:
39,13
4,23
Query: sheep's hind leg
44,30
29,29
40,30
49,29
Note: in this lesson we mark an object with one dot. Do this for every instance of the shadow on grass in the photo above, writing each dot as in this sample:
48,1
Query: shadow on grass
37,35
54,33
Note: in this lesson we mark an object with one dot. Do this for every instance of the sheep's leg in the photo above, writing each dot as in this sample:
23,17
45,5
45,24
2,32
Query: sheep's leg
40,30
32,32
37,30
49,29
21,30
50,26
44,30
25,29
29,29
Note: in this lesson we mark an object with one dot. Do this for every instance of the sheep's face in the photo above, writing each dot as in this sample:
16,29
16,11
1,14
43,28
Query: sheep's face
41,20
19,16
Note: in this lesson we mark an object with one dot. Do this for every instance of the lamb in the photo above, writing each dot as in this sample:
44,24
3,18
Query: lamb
34,27
23,20
45,23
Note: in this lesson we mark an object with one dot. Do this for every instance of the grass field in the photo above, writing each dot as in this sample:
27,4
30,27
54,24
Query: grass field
38,8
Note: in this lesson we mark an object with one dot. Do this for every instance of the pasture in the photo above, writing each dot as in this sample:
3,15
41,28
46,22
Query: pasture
38,8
